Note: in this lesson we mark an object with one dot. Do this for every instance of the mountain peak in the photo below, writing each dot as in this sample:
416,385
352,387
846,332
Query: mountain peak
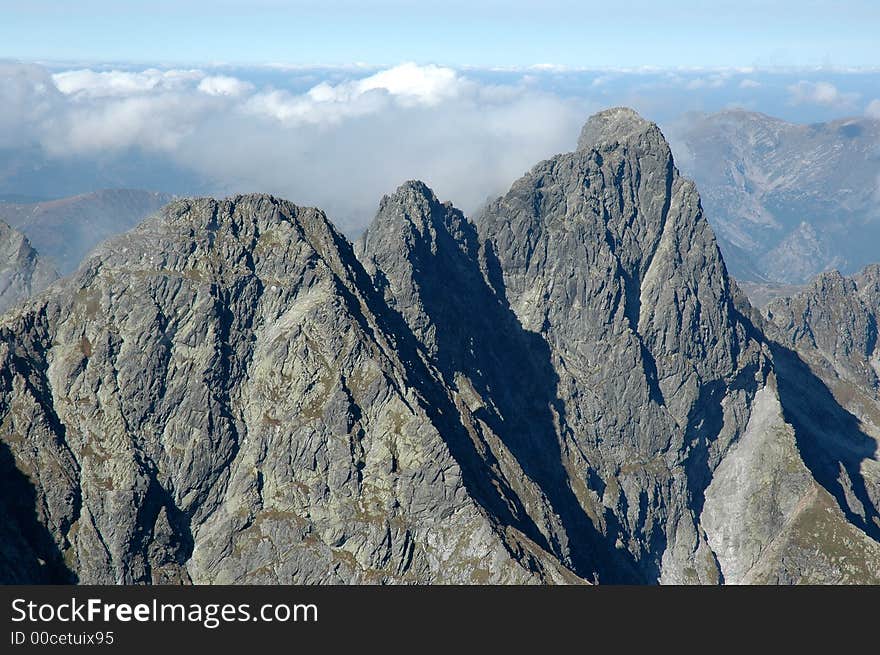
412,206
414,187
618,125
414,198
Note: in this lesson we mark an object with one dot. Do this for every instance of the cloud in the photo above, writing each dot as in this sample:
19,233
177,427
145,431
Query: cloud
406,85
87,82
420,84
338,138
550,68
820,93
222,85
339,143
343,146
115,110
603,79
873,109
152,123
749,84
28,97
321,105
710,82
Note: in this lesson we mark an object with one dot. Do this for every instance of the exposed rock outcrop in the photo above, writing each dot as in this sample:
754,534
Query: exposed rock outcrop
22,271
836,316
213,398
569,388
605,253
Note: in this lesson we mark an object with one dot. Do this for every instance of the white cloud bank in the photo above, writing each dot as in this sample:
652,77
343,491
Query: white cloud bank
222,85
820,93
122,83
404,86
338,146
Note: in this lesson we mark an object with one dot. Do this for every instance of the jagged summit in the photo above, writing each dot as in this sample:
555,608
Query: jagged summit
619,125
413,223
563,390
255,395
208,237
836,317
410,188
415,202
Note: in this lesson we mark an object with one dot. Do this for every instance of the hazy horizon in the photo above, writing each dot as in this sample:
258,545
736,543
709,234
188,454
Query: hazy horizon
317,135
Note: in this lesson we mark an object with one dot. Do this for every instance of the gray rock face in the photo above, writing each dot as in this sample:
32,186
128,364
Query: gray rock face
22,271
788,201
835,408
837,317
213,398
65,230
606,254
433,269
568,389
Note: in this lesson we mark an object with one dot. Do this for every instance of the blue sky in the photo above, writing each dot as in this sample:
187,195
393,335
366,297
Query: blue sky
455,32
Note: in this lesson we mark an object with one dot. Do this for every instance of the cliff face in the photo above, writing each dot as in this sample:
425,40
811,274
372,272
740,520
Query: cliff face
213,398
836,316
22,271
567,389
606,254
615,368
832,326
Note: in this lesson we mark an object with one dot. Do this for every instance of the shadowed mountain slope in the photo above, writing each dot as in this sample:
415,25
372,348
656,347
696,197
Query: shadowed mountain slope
568,388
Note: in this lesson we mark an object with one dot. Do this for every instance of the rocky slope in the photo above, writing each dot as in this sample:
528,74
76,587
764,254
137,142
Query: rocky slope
834,402
605,253
615,367
567,389
836,317
214,397
788,201
22,271
65,230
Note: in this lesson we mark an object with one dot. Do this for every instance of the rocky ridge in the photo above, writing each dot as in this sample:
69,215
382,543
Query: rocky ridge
568,388
836,317
22,271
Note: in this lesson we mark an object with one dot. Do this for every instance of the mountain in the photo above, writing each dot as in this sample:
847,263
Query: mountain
64,231
834,397
835,319
788,201
568,388
22,271
534,314
225,403
761,294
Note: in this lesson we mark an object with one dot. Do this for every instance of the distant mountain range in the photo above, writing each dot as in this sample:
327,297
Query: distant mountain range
567,388
787,201
63,231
